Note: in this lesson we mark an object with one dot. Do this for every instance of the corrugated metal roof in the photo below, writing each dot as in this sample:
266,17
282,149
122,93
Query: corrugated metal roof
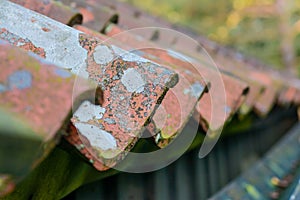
131,85
193,178
270,175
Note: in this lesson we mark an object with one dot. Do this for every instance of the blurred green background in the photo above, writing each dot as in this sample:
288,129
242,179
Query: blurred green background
266,29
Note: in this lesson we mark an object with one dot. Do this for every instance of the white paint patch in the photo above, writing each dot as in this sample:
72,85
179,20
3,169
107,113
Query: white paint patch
127,56
133,81
61,44
87,111
97,137
179,56
103,55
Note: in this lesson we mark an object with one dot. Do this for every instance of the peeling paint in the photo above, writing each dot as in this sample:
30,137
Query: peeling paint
21,79
96,136
133,81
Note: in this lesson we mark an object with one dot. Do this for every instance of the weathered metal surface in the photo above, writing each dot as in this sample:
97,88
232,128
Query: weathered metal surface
132,86
95,16
53,9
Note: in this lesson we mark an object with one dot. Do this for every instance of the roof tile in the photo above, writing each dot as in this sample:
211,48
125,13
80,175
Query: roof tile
27,123
53,9
130,90
95,16
180,101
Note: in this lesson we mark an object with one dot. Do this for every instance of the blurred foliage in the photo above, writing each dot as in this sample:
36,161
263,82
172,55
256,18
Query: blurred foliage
250,26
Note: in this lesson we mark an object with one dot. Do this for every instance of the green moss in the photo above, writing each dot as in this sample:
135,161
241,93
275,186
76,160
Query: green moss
58,175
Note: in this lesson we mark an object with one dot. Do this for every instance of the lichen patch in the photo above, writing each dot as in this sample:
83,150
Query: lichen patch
133,81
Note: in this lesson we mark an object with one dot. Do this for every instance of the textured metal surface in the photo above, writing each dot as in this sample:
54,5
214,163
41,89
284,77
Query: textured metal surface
54,10
269,174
